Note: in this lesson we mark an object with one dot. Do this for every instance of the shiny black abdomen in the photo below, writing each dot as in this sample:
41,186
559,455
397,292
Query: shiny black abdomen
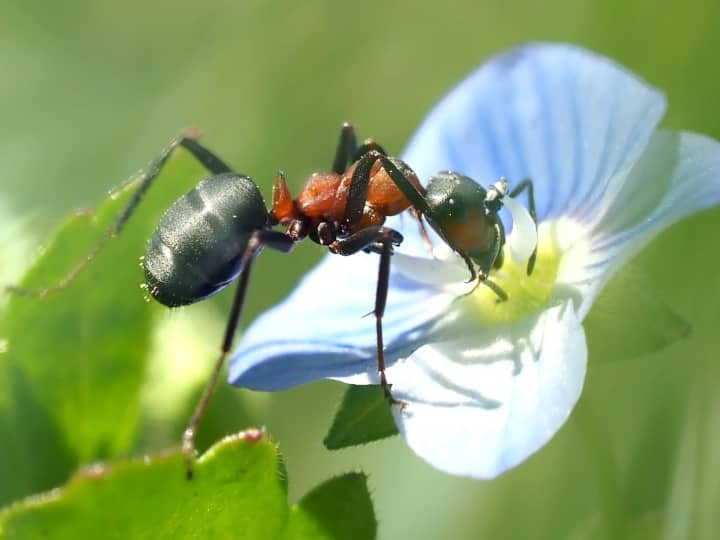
198,245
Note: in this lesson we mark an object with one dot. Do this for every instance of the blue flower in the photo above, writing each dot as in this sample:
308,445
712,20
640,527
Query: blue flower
487,383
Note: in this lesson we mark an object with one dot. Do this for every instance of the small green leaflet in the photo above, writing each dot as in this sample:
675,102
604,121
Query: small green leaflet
239,491
364,416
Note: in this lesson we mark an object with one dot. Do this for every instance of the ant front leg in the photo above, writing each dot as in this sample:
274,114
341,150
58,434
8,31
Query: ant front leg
258,240
416,197
376,237
360,183
494,260
209,160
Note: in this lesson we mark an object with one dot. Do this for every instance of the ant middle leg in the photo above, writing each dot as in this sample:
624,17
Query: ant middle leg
385,239
259,239
480,270
427,243
494,261
147,178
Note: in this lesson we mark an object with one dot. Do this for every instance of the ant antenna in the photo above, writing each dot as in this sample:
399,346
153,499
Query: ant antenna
494,198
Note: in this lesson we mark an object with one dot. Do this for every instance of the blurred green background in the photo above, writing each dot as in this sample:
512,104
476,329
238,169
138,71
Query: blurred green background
91,90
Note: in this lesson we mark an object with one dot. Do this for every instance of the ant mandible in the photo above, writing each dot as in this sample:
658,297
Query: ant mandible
211,235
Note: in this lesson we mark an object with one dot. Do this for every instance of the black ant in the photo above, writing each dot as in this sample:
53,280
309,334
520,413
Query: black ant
212,234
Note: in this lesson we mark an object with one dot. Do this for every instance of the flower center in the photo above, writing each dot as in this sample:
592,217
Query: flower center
526,294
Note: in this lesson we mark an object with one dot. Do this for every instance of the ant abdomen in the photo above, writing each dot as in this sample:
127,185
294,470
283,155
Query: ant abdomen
198,245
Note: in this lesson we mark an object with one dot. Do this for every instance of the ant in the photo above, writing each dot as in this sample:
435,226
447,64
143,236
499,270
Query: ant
211,235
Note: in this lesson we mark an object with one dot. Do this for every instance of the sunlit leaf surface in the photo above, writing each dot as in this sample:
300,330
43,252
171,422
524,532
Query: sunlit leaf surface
363,416
238,491
75,361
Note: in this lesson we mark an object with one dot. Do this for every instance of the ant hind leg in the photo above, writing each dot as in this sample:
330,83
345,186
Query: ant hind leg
275,240
147,178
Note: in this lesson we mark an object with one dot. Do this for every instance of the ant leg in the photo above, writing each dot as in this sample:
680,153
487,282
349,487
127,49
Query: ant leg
493,260
496,255
358,190
258,240
346,148
209,160
415,196
381,293
368,237
387,238
368,146
427,244
527,184
206,158
360,182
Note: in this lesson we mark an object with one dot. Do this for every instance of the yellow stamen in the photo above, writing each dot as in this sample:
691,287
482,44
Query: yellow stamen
526,294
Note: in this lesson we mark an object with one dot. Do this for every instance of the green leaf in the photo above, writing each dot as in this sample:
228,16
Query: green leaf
630,319
238,491
364,416
73,363
338,508
16,245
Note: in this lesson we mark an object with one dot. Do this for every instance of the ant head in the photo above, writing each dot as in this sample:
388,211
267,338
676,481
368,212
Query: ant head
453,197
463,212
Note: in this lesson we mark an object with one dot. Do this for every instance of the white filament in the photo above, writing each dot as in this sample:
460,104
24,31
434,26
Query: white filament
522,240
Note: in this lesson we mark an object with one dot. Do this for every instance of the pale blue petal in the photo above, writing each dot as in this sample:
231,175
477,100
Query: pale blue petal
322,331
678,175
564,117
479,404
